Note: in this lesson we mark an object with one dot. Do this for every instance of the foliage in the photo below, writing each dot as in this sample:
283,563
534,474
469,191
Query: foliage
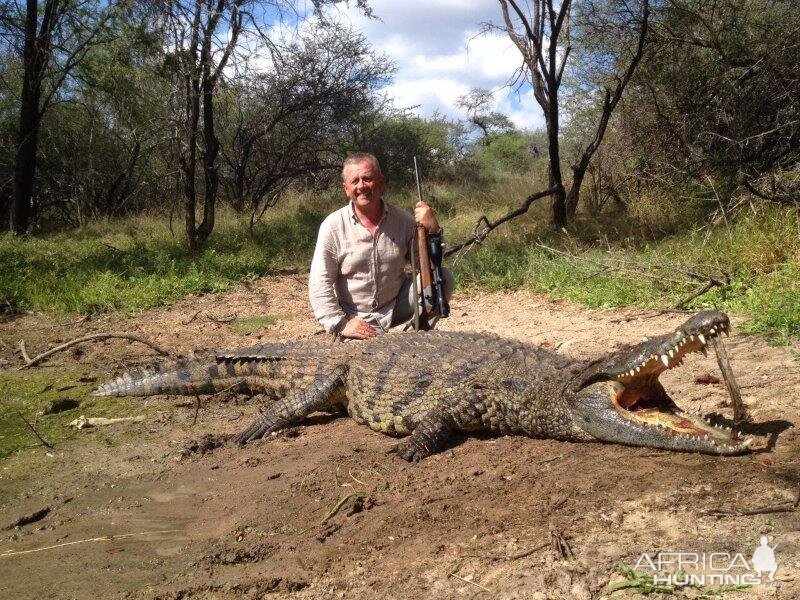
511,152
294,120
395,138
717,100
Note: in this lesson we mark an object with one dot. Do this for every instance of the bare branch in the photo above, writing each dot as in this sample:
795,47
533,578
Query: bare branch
479,236
93,337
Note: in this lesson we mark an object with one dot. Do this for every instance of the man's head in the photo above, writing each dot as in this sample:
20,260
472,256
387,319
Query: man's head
363,180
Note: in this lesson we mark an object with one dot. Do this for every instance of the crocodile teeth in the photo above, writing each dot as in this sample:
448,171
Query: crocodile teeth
702,338
712,330
665,360
671,352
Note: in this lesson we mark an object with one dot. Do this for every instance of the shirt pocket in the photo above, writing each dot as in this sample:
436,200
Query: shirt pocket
391,257
353,260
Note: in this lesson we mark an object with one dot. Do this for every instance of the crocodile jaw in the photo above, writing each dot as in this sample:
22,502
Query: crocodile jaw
622,401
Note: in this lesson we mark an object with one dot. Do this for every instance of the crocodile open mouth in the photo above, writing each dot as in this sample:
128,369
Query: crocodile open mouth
642,402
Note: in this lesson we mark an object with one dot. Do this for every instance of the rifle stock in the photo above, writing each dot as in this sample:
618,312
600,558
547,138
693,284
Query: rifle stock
424,270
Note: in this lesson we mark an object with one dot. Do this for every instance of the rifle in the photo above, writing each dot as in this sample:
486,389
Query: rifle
427,248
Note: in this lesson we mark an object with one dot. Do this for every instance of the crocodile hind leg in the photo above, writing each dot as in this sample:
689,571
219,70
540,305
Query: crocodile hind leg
434,430
294,408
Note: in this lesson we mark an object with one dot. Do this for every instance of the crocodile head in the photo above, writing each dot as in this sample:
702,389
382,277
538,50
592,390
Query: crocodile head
619,398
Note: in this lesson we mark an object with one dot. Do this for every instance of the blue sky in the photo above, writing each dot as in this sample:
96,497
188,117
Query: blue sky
440,55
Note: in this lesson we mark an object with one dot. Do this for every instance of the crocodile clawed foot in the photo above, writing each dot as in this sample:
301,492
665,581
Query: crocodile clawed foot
412,450
260,429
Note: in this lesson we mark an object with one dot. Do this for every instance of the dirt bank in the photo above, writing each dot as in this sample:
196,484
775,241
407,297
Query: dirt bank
194,518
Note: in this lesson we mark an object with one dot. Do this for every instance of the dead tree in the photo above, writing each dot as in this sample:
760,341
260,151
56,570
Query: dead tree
540,29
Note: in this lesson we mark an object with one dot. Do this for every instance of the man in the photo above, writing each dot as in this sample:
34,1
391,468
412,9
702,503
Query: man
357,284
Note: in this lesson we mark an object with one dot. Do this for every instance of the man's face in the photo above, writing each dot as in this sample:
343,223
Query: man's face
363,184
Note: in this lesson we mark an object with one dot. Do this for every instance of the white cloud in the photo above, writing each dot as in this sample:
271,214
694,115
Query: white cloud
441,54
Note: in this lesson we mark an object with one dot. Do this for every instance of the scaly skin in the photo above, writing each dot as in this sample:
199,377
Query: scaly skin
429,385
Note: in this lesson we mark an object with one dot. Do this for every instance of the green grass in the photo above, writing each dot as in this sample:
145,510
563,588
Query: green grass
135,264
757,252
25,393
249,325
644,585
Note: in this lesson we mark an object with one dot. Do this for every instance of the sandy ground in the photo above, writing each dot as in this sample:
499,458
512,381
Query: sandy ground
193,517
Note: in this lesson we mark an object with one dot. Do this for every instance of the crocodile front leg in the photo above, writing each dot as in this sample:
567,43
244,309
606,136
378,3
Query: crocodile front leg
429,437
435,429
294,408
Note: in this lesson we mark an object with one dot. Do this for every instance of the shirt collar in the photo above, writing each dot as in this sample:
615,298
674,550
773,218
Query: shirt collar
354,218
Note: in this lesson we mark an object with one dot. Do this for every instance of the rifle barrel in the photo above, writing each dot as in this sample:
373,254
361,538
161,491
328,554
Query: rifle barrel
416,176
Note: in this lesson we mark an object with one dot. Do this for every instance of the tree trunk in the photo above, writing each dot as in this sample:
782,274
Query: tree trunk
554,153
189,161
573,196
22,207
210,170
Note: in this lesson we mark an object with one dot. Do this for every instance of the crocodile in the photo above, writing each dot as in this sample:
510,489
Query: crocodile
430,385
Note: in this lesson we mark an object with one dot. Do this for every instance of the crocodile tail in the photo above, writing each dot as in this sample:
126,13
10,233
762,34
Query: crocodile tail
187,379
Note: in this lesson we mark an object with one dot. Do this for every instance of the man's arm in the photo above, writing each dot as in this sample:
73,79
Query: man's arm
322,278
322,281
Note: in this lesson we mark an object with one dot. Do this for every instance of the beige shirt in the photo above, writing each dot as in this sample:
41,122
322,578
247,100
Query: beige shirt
354,273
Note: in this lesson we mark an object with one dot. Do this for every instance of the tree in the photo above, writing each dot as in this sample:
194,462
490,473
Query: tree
478,103
718,101
51,42
541,30
294,120
204,35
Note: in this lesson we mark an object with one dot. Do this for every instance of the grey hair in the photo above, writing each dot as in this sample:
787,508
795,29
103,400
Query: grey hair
356,158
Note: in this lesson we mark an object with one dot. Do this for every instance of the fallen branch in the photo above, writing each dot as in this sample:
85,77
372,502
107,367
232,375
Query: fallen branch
88,338
638,270
479,236
697,293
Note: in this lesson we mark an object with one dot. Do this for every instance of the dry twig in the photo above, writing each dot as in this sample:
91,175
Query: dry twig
222,320
89,338
24,351
740,414
761,510
104,538
477,585
44,442
192,318
560,545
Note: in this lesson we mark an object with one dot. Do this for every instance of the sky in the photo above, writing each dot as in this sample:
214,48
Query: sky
440,54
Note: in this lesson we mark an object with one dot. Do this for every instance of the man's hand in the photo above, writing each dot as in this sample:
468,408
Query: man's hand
358,329
424,215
